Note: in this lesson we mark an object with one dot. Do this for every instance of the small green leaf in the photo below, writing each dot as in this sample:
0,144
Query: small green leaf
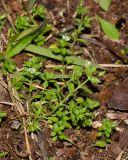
22,23
53,134
34,126
90,70
38,11
91,104
80,100
108,140
94,80
3,114
54,138
99,134
104,4
109,29
70,86
101,144
77,73
9,65
3,154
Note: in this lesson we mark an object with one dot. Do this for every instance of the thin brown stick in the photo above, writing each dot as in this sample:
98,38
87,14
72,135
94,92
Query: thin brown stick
49,66
121,153
8,15
17,103
113,65
3,83
7,103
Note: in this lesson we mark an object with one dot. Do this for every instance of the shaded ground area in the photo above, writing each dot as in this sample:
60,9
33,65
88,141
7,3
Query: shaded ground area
112,93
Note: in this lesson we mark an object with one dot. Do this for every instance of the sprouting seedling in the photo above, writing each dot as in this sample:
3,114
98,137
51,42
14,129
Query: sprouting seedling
104,132
22,23
61,48
82,21
39,11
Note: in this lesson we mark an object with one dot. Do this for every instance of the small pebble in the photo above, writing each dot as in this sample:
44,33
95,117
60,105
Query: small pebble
15,125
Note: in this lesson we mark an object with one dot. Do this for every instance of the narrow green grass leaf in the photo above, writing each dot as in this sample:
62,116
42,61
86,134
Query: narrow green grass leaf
47,53
24,39
26,33
42,52
19,47
109,29
100,144
104,4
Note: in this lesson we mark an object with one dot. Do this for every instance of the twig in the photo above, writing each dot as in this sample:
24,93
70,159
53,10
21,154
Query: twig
7,103
4,39
88,54
102,65
18,105
121,153
42,141
68,5
3,84
49,66
8,15
113,65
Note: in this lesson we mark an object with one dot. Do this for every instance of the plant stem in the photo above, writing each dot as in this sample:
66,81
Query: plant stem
67,97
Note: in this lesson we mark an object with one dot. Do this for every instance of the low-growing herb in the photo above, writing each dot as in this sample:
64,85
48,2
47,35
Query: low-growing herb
22,23
104,132
39,11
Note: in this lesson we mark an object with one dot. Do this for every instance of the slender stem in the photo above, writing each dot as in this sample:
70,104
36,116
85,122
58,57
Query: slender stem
67,97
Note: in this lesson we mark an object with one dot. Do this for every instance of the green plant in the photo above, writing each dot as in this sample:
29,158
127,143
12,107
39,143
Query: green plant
109,29
59,97
104,4
49,101
62,48
104,132
2,115
36,111
3,154
9,66
22,23
82,22
39,11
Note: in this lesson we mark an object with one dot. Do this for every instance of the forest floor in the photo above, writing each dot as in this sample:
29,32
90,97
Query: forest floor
112,92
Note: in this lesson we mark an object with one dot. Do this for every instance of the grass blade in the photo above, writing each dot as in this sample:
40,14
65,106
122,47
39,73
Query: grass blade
24,39
42,52
47,53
